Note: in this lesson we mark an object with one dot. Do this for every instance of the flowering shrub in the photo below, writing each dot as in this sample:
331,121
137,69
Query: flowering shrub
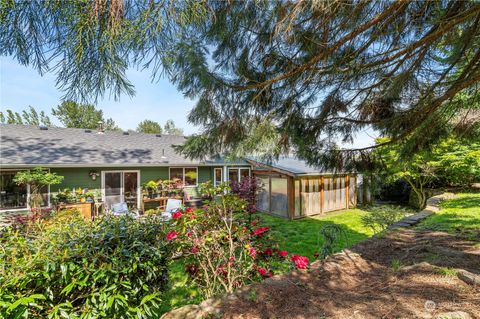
223,251
66,267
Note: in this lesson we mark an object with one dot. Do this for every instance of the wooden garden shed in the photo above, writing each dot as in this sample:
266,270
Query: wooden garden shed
294,189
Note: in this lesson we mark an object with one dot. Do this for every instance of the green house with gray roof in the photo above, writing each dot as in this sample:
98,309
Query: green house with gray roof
117,164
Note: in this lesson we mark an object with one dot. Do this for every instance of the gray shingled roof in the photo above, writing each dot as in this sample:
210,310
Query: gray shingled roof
23,145
291,164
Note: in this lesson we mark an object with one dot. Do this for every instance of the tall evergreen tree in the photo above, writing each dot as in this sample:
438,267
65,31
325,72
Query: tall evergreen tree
26,117
313,69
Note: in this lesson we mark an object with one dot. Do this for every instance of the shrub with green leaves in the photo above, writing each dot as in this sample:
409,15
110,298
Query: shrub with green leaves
66,267
380,218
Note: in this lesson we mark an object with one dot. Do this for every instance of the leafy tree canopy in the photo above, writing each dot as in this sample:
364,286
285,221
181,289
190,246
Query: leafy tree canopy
148,126
75,115
171,129
27,117
317,71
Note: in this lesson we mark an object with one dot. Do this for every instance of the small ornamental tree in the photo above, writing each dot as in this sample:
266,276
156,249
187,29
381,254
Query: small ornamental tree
247,189
418,171
36,179
452,161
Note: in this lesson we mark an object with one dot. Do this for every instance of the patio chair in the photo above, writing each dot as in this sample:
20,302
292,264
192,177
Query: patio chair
120,209
172,206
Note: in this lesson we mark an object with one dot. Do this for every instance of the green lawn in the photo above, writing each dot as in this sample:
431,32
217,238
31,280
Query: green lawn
180,293
458,215
302,236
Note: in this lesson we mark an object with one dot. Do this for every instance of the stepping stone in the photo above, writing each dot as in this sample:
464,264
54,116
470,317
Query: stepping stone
454,315
468,277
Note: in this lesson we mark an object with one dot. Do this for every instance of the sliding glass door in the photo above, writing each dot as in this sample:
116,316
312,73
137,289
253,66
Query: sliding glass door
121,186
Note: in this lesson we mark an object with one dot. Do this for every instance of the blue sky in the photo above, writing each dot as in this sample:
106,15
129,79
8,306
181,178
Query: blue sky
159,101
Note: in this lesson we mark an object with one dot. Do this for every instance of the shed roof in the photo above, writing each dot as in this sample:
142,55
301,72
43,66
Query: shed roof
291,164
24,145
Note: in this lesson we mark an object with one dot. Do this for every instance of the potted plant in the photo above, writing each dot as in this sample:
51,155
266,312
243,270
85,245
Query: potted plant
150,187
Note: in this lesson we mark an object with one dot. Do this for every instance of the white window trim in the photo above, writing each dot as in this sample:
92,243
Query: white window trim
239,175
215,184
183,174
122,190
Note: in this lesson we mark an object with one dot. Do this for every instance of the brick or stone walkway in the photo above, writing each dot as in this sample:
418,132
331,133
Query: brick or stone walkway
433,205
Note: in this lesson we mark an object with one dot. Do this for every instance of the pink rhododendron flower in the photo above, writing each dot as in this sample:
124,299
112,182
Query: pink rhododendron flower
171,235
259,231
194,249
252,252
264,272
177,215
301,262
283,253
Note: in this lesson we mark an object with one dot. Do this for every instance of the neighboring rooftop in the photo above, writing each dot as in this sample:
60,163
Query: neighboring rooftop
24,145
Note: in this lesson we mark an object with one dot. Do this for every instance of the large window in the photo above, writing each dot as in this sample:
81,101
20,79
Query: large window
237,174
11,195
187,175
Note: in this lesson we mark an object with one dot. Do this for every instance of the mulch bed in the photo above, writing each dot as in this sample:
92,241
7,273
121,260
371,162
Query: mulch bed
361,282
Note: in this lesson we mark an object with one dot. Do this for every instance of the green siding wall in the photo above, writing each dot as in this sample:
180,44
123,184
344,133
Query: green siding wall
75,177
79,177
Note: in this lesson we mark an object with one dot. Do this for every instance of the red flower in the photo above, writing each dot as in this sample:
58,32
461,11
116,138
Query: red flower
259,231
177,215
301,262
171,235
194,249
283,253
189,234
264,272
315,254
192,269
189,210
254,223
252,252
232,258
268,251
